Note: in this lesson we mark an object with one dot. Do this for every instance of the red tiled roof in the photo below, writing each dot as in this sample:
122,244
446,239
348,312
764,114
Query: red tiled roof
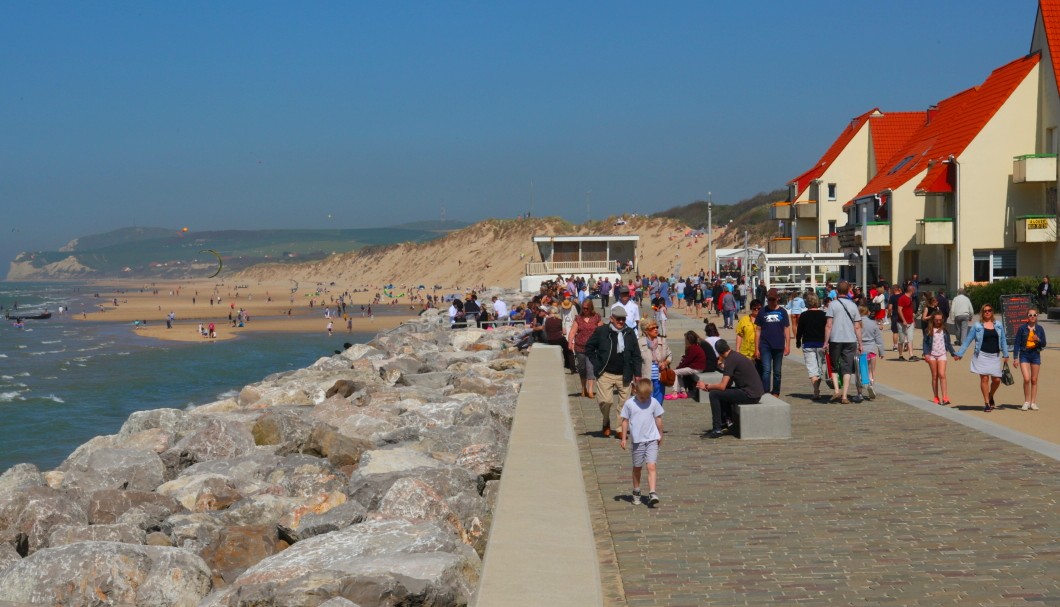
891,131
956,123
803,181
1050,14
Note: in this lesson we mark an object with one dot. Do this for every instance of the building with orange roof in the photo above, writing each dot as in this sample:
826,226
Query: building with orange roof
964,192
814,208
935,207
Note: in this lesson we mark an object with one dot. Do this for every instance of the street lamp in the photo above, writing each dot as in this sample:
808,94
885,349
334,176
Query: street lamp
710,231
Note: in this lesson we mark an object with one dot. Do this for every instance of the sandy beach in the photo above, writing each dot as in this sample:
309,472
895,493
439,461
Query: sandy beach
271,306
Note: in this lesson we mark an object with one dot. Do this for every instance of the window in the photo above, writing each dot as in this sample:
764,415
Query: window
831,191
831,226
1050,140
989,266
899,166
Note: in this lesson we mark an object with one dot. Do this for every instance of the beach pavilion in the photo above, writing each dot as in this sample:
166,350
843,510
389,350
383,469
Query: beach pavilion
596,255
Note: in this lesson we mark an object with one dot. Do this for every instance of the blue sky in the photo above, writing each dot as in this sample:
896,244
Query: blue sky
262,114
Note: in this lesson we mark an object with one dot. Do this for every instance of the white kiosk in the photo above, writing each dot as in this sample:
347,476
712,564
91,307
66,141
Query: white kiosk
598,256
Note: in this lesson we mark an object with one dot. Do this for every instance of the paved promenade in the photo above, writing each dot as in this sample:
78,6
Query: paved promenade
872,504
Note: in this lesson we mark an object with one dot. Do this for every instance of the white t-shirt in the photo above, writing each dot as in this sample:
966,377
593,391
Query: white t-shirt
641,418
500,309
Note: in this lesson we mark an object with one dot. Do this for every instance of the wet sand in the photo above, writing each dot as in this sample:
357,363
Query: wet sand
271,306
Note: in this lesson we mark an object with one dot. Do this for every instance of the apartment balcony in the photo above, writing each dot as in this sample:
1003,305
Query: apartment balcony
806,209
875,234
830,243
1034,168
780,210
1036,228
934,231
807,244
779,245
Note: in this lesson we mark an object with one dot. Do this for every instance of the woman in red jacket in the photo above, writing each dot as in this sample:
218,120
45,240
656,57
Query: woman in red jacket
694,361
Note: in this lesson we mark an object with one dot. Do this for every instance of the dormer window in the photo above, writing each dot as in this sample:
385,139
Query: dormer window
831,191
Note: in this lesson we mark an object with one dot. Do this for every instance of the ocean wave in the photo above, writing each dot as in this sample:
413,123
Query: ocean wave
46,352
52,398
23,374
228,394
3,355
54,341
7,377
123,353
6,397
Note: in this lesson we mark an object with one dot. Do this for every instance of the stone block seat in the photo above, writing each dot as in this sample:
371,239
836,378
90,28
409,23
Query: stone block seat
770,418
1054,313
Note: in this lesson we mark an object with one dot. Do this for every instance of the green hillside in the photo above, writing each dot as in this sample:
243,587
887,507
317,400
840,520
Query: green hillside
750,214
157,252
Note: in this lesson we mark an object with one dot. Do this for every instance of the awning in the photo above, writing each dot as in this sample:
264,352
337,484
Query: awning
937,180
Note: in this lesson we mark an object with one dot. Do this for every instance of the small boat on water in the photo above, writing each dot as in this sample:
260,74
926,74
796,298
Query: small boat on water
45,315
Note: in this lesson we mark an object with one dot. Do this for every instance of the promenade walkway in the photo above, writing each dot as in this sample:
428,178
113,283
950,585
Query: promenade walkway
873,504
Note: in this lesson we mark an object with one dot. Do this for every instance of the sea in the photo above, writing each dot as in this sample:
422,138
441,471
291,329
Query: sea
64,381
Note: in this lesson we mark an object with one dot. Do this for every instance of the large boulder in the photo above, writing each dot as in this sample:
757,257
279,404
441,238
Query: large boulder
116,469
340,449
44,510
20,476
216,439
320,516
284,427
121,532
107,573
207,492
8,556
107,506
260,509
237,549
193,531
371,564
306,475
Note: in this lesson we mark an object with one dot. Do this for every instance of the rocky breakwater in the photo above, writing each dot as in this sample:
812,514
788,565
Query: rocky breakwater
366,478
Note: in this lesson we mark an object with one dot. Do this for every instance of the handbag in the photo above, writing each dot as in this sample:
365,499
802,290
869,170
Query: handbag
1006,376
667,376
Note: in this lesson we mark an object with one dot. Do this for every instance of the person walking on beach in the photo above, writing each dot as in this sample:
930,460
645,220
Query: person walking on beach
605,293
642,424
936,345
728,309
615,357
772,341
1030,340
991,351
1045,294
871,349
631,307
842,334
796,306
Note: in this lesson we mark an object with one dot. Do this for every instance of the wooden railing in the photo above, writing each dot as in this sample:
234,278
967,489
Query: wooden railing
569,267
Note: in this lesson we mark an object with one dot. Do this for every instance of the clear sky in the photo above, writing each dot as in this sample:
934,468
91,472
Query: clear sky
263,114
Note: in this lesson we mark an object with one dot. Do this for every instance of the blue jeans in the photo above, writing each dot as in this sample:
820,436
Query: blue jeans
772,360
658,390
730,318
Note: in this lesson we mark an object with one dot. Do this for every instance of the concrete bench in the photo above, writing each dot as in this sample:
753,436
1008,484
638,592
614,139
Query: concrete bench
770,418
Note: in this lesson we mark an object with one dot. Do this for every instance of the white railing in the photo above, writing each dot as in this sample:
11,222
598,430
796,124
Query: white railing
569,267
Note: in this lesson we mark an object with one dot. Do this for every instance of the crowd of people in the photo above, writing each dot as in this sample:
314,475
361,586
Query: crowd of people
839,328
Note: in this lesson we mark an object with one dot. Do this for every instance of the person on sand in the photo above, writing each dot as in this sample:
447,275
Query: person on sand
584,324
212,330
615,357
936,345
991,351
331,328
642,425
1030,340
655,356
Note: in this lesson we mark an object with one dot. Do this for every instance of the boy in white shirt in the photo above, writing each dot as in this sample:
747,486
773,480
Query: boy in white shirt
642,415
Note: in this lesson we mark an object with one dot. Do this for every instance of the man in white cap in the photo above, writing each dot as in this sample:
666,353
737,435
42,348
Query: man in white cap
632,309
615,356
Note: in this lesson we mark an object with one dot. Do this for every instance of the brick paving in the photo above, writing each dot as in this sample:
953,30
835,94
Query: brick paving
871,504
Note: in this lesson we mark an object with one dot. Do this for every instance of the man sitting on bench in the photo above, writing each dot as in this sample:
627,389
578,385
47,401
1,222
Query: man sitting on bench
740,385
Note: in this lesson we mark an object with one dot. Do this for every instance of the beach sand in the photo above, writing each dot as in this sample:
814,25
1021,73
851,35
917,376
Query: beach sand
271,307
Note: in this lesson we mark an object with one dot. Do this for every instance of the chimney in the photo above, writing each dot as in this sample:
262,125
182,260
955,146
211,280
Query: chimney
931,111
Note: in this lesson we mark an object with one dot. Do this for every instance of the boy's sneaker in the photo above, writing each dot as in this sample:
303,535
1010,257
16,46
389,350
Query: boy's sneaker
636,497
653,499
1025,407
871,392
